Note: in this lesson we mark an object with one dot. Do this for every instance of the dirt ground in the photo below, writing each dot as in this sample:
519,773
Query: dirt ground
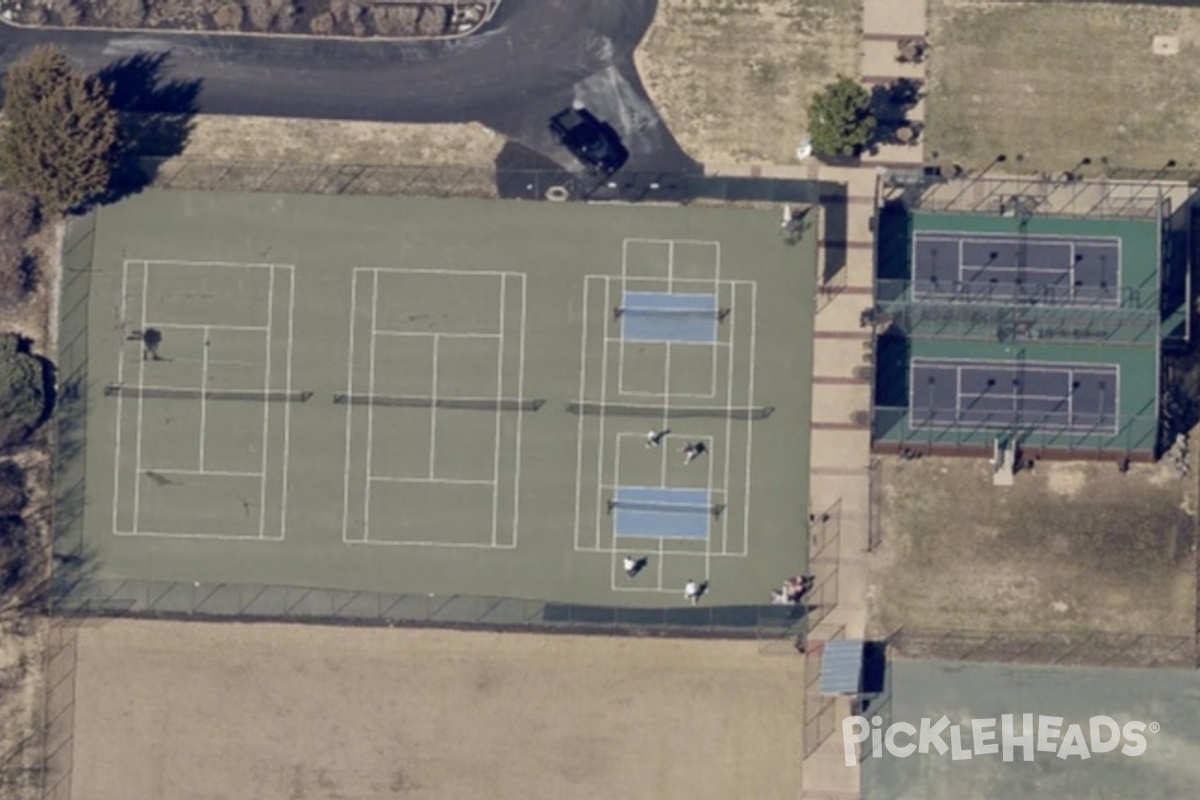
319,17
1071,547
275,139
22,634
185,711
733,78
1057,82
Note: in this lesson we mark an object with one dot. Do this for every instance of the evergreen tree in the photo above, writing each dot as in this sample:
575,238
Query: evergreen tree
840,121
60,138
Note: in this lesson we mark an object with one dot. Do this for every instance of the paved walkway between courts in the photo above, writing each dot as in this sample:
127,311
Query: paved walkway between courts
842,380
842,364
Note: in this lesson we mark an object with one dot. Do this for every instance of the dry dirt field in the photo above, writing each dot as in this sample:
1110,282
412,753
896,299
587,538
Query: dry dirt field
1072,547
1057,82
223,138
732,78
197,711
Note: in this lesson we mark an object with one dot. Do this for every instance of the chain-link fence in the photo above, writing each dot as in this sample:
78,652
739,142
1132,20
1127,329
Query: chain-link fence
423,180
820,716
151,598
478,181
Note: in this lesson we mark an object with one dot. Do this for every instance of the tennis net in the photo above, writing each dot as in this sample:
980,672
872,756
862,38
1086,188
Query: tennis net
196,393
687,314
592,409
668,508
425,401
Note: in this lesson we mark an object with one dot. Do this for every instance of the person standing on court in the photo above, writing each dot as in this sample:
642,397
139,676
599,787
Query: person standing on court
691,450
654,438
691,591
633,565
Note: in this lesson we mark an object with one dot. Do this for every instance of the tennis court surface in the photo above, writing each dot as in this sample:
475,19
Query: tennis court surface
1079,270
432,398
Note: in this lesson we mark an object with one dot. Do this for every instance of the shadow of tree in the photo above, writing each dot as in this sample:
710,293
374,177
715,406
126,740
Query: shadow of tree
890,104
157,116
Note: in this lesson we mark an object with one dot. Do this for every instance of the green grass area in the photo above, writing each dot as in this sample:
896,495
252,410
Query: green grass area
1057,82
474,326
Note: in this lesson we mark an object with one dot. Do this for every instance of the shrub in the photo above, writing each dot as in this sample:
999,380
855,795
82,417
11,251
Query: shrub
12,488
22,393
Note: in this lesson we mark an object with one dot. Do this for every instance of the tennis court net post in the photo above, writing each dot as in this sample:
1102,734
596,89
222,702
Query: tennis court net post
591,409
197,393
426,401
671,508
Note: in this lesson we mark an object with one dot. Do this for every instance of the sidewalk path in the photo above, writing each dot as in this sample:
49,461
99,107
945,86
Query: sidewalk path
842,358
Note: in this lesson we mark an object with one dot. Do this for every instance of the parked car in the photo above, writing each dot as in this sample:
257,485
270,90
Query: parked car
593,142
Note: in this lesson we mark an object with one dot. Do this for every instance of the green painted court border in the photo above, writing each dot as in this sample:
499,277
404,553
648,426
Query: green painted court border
1137,426
1141,246
1137,358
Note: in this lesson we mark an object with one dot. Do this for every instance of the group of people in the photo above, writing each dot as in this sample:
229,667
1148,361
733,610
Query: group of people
690,450
793,590
692,590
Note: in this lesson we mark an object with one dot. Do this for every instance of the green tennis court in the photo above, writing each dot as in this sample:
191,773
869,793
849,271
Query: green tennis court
441,397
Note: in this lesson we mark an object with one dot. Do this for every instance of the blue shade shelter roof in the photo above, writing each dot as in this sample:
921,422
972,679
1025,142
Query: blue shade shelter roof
841,666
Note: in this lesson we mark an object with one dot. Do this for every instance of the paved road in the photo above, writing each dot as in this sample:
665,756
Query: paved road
534,58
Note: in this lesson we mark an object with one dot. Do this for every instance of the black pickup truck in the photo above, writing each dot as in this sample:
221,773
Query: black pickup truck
593,142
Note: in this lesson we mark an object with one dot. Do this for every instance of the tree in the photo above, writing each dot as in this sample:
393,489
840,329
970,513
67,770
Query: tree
60,140
840,121
22,391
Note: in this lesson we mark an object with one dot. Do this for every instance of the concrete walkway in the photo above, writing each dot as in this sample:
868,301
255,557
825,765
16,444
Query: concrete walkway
840,459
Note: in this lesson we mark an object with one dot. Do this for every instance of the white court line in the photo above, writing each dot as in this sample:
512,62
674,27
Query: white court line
219,473
579,427
203,399
447,481
666,412
120,404
619,338
349,408
442,334
750,426
670,266
411,271
262,503
657,280
287,407
660,395
137,464
169,535
199,326
498,418
961,255
433,396
230,264
708,518
520,429
623,339
370,407
640,240
728,420
600,438
429,543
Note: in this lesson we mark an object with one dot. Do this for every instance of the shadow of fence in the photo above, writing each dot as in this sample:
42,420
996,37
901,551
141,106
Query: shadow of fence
1086,648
